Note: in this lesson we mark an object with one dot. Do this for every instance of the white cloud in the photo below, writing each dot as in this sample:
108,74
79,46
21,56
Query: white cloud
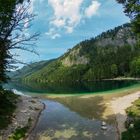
51,33
54,36
58,22
69,29
67,14
92,9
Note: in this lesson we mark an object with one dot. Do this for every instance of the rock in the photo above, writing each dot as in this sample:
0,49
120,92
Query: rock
103,123
15,123
24,111
104,127
26,108
33,101
131,125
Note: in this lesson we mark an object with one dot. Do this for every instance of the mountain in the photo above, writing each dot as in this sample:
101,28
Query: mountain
29,69
108,55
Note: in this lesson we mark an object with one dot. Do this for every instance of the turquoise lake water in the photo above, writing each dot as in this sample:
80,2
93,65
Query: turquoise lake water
73,118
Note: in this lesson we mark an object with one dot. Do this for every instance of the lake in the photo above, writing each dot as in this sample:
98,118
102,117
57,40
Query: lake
74,117
73,87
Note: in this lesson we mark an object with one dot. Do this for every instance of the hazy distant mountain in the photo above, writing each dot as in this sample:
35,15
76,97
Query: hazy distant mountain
29,69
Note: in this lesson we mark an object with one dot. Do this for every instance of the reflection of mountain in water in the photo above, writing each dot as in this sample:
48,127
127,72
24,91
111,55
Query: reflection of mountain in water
91,108
59,122
73,87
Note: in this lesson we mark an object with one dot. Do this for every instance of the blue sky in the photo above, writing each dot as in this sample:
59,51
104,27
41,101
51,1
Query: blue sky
64,23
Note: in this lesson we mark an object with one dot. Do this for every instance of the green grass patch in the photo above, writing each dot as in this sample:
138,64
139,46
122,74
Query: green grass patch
20,133
133,112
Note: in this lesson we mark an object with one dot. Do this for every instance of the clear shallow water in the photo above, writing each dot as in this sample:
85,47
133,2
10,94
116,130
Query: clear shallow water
73,118
58,122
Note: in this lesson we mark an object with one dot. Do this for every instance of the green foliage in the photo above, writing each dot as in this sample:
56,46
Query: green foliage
56,72
135,67
19,133
132,9
6,11
134,110
133,133
11,27
29,69
7,107
114,70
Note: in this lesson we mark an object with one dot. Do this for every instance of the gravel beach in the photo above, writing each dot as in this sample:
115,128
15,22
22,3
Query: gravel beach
28,108
119,105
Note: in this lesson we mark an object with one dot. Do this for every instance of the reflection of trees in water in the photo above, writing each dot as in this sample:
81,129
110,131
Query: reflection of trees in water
74,87
108,85
91,108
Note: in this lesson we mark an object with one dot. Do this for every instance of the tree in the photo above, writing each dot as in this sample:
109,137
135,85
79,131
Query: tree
15,18
132,133
135,67
132,9
114,70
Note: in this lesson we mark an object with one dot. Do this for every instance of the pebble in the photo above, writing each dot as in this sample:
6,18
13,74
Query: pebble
22,114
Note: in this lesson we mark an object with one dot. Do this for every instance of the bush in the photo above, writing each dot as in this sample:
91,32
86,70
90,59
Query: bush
7,107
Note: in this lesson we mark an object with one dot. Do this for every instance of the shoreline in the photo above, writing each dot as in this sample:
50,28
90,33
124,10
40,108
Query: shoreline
32,107
34,125
26,114
36,121
115,106
119,105
123,78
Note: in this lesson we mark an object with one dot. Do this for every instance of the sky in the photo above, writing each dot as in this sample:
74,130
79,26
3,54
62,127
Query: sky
64,23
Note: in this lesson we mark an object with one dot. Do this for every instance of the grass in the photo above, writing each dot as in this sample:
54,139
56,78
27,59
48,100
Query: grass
7,107
134,111
133,133
21,132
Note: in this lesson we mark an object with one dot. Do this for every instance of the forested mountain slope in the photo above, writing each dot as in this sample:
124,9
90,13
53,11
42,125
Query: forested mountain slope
113,53
29,69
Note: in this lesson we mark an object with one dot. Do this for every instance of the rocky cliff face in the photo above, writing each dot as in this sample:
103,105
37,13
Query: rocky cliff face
74,58
122,37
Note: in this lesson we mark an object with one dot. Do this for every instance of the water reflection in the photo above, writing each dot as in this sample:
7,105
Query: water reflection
90,108
73,87
58,122
74,117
